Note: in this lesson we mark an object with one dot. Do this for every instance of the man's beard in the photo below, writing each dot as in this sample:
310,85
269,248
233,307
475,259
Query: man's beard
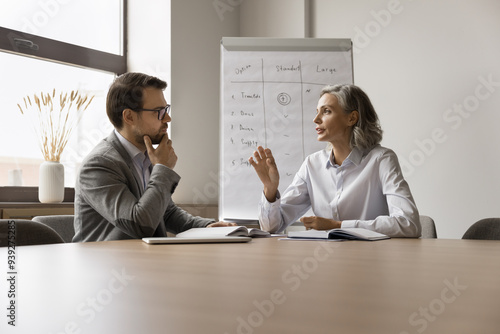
155,140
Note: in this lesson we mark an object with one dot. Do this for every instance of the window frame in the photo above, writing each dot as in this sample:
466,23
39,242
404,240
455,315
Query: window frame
24,44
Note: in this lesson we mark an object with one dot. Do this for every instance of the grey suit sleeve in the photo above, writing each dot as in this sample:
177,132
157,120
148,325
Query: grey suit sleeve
109,187
178,220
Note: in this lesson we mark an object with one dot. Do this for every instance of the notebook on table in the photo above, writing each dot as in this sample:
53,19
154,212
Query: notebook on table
350,233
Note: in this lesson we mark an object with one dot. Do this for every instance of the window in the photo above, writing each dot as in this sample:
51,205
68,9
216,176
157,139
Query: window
62,45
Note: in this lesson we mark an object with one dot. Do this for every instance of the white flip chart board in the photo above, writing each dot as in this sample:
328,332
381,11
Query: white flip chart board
269,92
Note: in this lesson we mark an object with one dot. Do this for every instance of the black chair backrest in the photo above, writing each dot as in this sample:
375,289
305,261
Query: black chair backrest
62,224
22,232
484,229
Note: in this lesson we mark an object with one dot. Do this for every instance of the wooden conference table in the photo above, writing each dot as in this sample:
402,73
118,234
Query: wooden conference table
264,286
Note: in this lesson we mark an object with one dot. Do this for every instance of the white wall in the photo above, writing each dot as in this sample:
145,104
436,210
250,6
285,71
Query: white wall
419,64
277,18
197,28
149,38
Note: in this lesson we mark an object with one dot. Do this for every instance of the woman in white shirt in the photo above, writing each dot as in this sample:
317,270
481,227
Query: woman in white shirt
355,182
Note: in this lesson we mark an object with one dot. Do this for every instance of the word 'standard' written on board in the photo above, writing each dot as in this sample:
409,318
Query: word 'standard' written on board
269,93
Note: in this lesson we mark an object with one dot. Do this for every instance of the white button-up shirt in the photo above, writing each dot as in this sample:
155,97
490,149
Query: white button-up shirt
368,191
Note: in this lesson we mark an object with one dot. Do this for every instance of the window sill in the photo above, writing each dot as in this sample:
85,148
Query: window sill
30,195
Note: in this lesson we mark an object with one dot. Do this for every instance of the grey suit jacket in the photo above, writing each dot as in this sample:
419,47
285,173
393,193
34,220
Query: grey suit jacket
110,204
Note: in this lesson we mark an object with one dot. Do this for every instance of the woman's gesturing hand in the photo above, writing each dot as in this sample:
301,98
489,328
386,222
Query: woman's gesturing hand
266,169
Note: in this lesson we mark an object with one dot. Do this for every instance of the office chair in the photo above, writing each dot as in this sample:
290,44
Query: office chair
484,229
428,227
62,224
27,232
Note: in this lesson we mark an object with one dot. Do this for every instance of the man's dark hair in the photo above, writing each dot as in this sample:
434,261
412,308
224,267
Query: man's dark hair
127,92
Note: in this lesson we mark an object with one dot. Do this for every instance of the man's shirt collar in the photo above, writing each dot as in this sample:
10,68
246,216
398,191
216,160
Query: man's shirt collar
131,149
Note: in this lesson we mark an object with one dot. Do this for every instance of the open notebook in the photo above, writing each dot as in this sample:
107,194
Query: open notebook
352,233
232,231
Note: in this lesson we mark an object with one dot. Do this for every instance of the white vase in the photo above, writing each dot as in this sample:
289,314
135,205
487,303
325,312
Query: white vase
51,182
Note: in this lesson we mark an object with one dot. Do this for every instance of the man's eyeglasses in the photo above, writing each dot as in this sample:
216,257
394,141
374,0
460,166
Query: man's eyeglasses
161,112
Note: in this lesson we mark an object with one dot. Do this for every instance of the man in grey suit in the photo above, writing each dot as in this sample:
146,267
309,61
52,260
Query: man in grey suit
124,187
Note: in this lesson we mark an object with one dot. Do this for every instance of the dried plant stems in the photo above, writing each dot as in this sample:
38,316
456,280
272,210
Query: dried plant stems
53,128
